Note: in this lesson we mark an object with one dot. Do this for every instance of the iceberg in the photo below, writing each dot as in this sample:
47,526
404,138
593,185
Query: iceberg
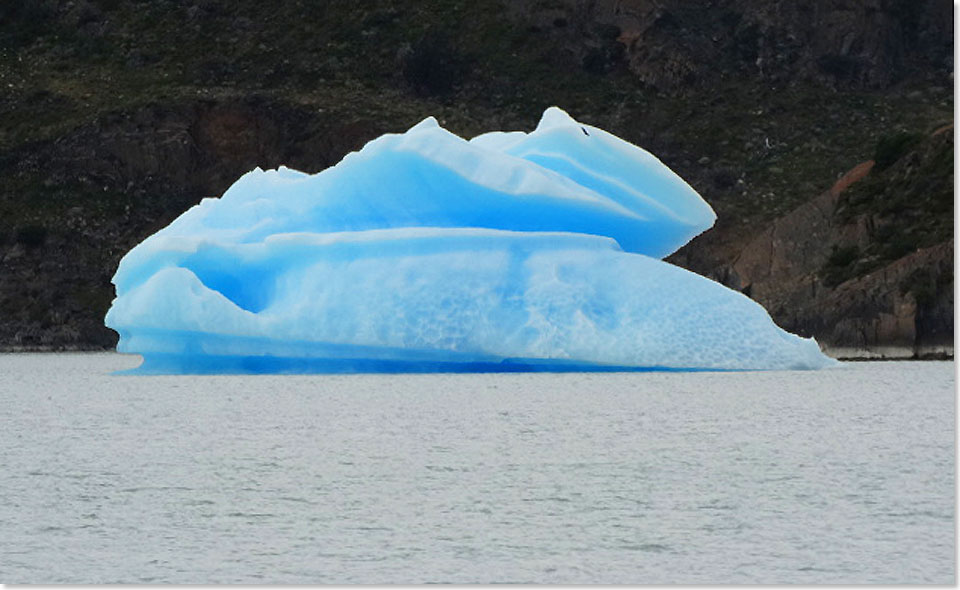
426,252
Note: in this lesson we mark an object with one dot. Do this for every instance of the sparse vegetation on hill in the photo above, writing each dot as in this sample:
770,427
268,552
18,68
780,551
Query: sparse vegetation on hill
118,115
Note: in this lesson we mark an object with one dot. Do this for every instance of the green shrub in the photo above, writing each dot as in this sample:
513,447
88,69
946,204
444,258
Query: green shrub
922,284
891,148
24,22
840,265
32,236
842,67
433,67
843,256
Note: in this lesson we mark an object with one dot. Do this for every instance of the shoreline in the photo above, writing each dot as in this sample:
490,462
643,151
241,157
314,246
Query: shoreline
847,354
891,353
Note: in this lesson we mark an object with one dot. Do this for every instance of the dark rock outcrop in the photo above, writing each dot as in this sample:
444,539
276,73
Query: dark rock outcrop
904,309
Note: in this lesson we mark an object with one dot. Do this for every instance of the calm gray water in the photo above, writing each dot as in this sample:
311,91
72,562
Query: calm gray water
843,475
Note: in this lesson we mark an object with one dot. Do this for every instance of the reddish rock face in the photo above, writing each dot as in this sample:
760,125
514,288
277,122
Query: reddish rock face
786,256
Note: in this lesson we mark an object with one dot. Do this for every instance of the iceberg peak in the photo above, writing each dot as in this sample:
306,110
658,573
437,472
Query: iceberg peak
427,123
555,117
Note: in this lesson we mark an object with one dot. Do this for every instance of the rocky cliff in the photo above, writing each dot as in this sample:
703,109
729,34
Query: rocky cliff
119,115
866,266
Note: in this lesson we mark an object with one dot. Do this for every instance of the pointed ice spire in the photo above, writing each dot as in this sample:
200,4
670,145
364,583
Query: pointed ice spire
555,117
428,123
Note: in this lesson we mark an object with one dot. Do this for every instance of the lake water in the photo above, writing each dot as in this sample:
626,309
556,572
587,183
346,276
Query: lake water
842,475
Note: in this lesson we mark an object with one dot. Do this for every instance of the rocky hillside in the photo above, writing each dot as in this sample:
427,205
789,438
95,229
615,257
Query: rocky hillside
118,115
866,266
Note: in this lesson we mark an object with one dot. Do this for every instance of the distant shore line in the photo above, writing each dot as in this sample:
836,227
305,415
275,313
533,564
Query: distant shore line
877,353
891,353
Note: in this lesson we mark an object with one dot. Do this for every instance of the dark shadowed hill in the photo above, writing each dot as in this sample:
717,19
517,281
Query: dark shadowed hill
817,130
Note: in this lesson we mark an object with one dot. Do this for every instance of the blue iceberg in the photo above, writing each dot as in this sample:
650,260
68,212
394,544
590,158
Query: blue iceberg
427,252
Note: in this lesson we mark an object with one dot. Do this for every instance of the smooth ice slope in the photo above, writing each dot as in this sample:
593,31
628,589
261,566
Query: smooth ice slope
426,252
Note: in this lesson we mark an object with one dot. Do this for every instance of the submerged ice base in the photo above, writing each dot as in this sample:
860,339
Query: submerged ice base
427,252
